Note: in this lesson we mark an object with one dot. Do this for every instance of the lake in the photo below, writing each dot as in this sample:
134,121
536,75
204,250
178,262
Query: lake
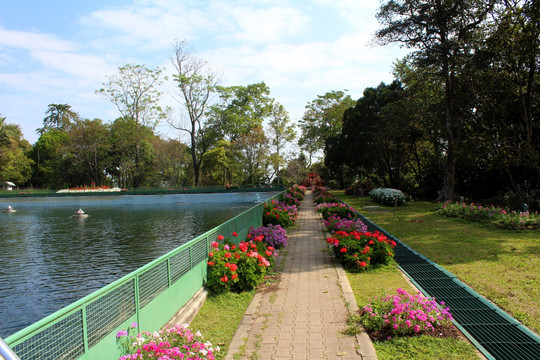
49,259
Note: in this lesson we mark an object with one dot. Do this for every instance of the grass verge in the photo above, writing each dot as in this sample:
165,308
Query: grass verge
501,265
219,318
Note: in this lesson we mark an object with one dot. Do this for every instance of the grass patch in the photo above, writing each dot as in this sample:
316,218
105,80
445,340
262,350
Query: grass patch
501,265
424,348
219,318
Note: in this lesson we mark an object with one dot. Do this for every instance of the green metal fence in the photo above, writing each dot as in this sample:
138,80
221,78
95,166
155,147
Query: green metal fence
150,296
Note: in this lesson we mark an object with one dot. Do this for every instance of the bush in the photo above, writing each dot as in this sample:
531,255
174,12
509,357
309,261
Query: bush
387,196
499,217
403,314
238,267
360,251
335,209
279,213
177,342
273,235
335,223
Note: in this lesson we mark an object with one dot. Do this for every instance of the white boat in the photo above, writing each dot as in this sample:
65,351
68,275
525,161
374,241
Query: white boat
9,209
80,214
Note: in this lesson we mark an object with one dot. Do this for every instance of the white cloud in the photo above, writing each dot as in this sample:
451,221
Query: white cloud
35,41
83,66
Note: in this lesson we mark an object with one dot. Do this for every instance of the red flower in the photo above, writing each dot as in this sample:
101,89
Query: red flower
277,216
211,263
234,276
237,255
228,255
343,250
210,254
220,237
233,267
363,264
224,278
215,244
235,234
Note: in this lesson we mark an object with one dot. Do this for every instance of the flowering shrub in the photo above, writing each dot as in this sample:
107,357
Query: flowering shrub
279,213
500,217
335,209
297,192
358,251
387,196
177,342
334,223
291,200
403,314
273,235
238,267
321,195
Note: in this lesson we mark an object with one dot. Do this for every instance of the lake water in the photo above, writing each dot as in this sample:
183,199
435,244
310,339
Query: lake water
48,259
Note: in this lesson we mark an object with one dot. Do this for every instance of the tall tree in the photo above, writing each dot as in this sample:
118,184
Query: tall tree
445,34
89,145
281,134
323,118
134,91
196,83
59,117
241,109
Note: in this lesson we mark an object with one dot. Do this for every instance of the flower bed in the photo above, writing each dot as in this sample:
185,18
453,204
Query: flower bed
279,213
273,235
177,342
360,251
500,217
238,267
335,223
403,314
335,209
387,196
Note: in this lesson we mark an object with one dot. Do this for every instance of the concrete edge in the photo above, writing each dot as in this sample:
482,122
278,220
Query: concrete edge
365,346
187,313
243,329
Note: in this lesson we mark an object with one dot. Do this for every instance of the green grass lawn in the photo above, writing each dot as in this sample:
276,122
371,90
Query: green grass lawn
502,265
219,318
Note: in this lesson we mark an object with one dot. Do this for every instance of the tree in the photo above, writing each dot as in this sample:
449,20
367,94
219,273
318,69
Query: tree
171,163
322,119
59,117
52,164
281,134
241,109
196,83
445,34
134,91
15,166
89,146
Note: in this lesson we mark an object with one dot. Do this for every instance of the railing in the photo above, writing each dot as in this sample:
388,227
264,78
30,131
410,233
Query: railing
149,296
6,353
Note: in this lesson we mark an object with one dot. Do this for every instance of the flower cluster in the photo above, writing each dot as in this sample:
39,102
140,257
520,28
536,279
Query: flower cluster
500,217
404,314
334,223
359,251
323,196
238,267
297,191
388,196
273,235
177,342
336,209
279,213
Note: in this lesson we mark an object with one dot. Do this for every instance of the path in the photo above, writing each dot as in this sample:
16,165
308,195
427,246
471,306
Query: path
304,314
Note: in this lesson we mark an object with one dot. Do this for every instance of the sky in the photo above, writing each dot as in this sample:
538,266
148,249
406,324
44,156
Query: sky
61,52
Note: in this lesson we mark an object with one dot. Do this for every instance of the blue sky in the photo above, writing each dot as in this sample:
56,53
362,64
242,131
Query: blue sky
60,52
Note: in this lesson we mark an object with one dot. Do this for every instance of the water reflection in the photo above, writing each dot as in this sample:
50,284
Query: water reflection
50,259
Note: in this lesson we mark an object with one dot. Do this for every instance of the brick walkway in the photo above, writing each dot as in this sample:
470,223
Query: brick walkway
304,314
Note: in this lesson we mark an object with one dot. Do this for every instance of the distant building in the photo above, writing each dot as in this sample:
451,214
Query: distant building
8,185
